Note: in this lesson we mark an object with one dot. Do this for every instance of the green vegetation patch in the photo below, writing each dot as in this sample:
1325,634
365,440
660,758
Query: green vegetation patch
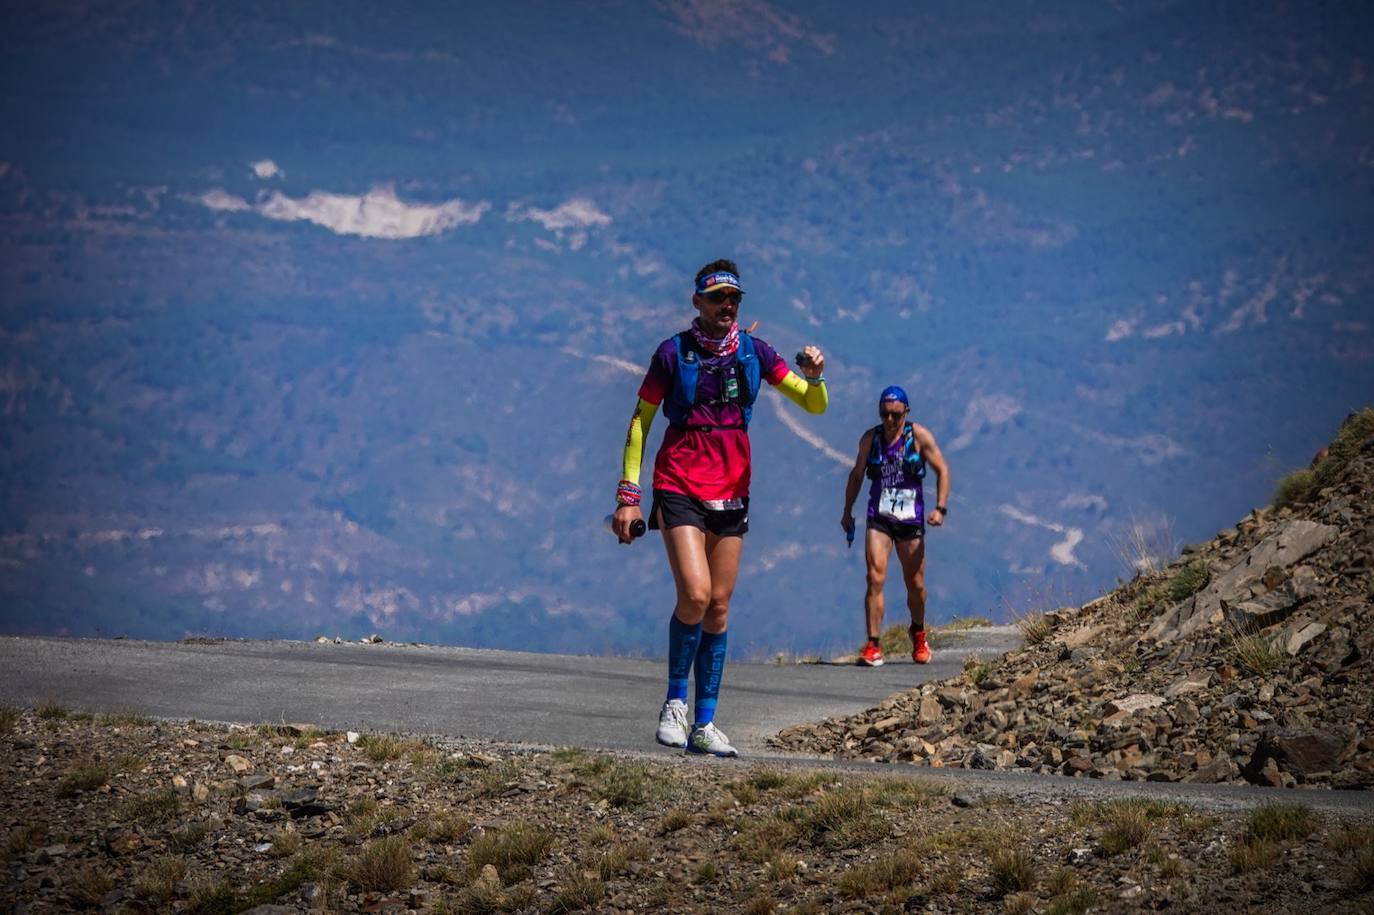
1281,822
1303,485
1187,581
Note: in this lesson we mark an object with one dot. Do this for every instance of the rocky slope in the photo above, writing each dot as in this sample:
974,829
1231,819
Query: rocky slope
1248,659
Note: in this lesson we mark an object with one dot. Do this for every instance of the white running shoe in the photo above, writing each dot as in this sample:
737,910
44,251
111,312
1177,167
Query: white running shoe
672,724
709,739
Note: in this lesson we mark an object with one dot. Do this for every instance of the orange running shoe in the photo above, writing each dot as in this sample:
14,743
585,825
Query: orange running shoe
871,656
920,651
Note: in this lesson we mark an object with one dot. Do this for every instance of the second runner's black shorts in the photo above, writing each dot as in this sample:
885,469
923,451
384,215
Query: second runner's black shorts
895,529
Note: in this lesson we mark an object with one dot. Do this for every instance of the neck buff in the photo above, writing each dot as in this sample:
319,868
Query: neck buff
722,347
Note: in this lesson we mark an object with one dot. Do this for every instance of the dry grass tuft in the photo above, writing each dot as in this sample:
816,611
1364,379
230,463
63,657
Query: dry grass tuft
896,875
389,747
782,866
1253,855
744,792
150,808
1254,652
1018,904
1280,822
187,837
159,879
441,827
383,865
760,904
674,820
9,717
842,818
1035,627
1362,871
1145,545
1012,870
1127,827
85,776
286,843
766,779
1267,830
1079,902
895,640
629,785
1350,839
51,710
577,890
616,860
88,886
512,850
22,839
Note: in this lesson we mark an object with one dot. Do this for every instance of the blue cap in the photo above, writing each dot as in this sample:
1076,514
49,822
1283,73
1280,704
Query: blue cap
892,392
721,279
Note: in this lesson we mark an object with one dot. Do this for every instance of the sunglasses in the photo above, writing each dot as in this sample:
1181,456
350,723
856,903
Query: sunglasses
892,414
718,297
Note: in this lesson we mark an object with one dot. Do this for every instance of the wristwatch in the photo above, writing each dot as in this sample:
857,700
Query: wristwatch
942,510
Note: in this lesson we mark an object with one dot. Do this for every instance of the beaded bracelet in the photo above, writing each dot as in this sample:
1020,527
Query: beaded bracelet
627,493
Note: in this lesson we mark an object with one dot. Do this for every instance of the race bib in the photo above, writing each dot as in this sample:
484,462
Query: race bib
898,504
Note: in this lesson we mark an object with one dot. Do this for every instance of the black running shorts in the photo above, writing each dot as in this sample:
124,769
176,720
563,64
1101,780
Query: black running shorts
678,510
896,530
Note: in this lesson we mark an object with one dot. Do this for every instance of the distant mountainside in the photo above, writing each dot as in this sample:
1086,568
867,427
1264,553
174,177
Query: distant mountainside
329,319
1247,660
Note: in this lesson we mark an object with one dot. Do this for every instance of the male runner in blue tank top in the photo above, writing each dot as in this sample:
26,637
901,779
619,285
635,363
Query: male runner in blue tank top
894,455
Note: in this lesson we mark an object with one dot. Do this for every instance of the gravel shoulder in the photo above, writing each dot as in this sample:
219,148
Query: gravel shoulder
128,814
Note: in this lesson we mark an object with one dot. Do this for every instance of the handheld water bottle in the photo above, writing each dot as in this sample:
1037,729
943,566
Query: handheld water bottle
849,536
637,526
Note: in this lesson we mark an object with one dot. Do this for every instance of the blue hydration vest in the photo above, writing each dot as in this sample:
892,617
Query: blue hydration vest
915,465
678,405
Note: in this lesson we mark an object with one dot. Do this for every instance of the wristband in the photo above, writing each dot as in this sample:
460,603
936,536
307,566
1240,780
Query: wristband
819,379
942,510
627,493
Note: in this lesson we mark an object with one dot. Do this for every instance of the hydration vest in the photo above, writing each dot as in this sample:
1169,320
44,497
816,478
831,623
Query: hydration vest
683,397
915,465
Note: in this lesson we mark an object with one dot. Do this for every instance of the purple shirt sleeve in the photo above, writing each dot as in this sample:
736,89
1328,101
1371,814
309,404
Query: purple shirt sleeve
772,367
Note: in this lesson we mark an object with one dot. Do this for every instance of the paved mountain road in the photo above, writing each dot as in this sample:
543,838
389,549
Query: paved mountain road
601,703
521,698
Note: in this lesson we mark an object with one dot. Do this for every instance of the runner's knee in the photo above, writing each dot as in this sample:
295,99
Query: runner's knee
692,604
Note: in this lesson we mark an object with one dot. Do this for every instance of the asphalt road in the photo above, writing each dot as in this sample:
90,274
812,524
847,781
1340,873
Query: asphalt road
520,698
544,699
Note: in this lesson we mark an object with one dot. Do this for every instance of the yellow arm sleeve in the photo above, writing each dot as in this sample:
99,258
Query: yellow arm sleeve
812,398
634,440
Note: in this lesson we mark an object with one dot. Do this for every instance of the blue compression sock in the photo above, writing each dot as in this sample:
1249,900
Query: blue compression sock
682,649
710,668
